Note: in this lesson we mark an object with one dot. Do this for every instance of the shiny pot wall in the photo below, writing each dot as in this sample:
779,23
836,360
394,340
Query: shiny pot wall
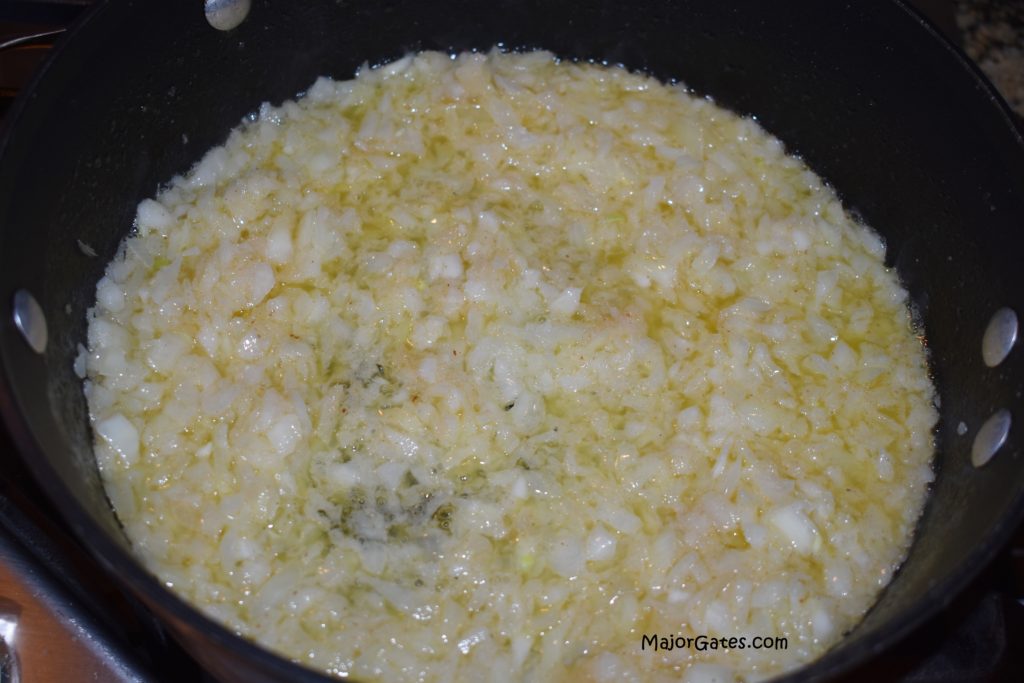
873,100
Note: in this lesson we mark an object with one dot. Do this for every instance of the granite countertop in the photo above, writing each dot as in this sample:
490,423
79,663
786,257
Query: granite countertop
992,34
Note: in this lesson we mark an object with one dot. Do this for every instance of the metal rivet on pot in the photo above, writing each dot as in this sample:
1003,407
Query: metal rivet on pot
225,15
990,438
1000,336
9,665
30,321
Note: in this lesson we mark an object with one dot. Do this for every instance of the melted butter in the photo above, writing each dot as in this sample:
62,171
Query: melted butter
438,444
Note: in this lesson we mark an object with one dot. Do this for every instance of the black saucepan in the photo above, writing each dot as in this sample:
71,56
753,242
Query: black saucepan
869,95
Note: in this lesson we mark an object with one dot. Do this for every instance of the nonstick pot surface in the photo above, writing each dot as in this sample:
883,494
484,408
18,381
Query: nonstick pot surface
897,121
